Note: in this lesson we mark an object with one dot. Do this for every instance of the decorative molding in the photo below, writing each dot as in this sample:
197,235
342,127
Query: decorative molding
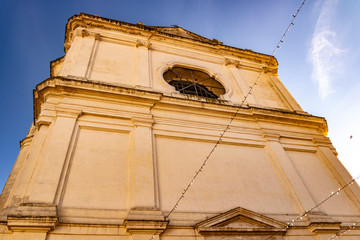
143,44
42,121
240,221
325,142
322,142
26,141
325,227
66,112
150,221
32,217
97,36
273,71
86,33
278,116
274,137
231,62
88,21
142,122
145,226
35,223
257,67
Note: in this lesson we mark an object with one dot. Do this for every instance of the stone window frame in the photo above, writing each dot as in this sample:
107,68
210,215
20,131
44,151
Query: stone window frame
185,80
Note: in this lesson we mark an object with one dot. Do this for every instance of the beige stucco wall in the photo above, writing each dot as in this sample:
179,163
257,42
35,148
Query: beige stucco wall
134,61
113,146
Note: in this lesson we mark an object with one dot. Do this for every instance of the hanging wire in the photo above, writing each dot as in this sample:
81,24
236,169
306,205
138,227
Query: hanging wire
213,148
342,232
231,120
288,28
200,169
332,194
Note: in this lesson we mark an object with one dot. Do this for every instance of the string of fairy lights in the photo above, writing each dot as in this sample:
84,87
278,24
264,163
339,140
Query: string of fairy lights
305,214
202,166
342,232
288,28
200,169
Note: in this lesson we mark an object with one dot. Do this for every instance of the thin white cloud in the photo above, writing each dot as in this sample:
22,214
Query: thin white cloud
325,52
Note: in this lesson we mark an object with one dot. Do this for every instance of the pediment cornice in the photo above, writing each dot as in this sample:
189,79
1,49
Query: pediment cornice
241,221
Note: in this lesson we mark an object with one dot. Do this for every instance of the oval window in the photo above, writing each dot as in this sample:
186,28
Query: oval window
193,82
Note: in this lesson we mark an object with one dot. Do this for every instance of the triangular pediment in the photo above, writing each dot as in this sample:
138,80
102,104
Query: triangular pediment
181,32
240,220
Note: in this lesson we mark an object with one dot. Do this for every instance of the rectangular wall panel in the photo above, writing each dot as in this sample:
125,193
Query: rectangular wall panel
234,176
320,183
98,171
113,63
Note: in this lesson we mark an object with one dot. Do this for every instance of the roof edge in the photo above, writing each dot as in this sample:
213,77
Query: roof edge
83,19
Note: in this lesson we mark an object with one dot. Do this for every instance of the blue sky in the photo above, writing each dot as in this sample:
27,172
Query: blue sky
318,62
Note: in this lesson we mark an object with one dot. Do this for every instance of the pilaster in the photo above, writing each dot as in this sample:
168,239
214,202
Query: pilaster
144,224
32,221
289,175
30,159
46,184
145,230
239,81
77,62
323,227
16,173
281,89
341,174
143,63
143,180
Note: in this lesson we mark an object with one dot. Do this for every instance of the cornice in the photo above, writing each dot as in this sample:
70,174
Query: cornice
35,224
32,217
325,227
174,103
93,21
94,86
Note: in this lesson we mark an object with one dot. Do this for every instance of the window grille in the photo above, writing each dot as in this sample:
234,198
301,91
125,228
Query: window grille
193,82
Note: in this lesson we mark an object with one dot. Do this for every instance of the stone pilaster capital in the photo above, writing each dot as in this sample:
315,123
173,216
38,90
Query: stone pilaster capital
86,33
324,141
43,121
232,62
142,122
270,70
272,137
69,113
145,44
26,141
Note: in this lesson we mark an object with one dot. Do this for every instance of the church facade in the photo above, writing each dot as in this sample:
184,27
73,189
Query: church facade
128,117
